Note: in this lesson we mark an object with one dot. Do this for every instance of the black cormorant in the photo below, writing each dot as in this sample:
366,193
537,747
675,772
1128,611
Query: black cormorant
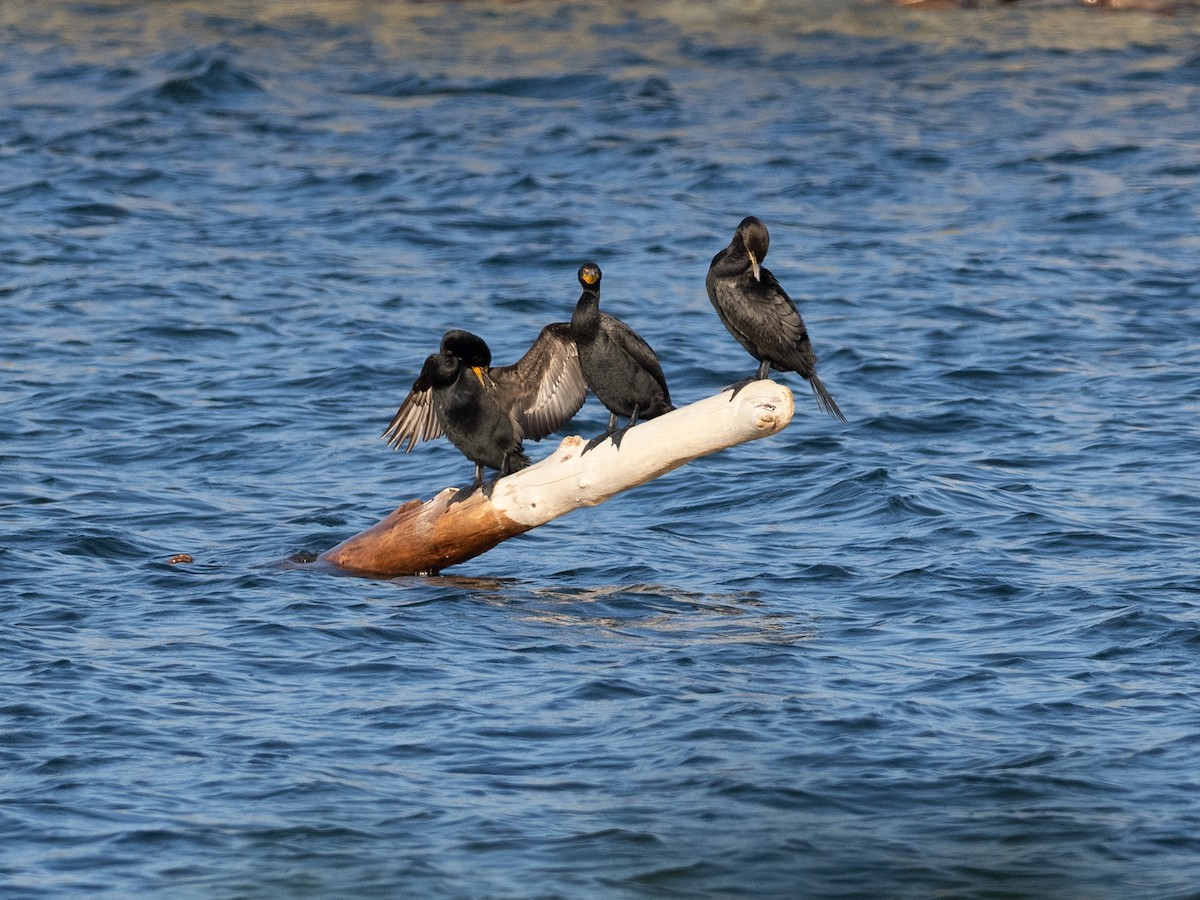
486,413
759,313
620,367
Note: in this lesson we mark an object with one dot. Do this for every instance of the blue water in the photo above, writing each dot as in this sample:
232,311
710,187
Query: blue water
949,649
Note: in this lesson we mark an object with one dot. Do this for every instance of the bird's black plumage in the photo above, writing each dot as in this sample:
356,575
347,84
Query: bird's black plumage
759,313
620,367
486,413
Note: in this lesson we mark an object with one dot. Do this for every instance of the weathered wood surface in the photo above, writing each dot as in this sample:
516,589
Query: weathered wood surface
427,537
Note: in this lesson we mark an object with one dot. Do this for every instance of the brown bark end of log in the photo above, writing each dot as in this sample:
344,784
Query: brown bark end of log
422,538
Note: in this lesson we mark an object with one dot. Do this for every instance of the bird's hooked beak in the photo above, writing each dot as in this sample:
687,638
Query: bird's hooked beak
478,370
754,266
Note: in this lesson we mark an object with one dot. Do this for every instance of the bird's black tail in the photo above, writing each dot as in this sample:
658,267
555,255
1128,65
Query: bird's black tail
824,398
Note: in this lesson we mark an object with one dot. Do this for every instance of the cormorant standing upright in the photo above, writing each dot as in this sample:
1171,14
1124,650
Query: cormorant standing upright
759,313
620,367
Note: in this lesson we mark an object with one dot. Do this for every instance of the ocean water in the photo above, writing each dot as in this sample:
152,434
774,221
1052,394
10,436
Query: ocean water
950,648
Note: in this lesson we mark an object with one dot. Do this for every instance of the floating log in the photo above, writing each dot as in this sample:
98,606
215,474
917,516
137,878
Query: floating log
424,538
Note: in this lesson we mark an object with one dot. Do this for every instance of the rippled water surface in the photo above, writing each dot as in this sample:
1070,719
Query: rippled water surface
949,648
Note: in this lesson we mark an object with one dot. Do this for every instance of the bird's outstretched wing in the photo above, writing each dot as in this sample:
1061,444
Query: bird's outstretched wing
545,387
415,420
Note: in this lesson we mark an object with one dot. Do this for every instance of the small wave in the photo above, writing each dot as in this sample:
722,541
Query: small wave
553,87
1070,157
102,544
610,689
39,187
183,332
84,214
216,80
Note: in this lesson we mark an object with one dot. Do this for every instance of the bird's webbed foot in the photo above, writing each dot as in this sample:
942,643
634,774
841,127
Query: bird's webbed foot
619,435
597,441
737,387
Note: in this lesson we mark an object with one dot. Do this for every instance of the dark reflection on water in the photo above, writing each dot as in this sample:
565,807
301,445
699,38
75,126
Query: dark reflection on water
945,649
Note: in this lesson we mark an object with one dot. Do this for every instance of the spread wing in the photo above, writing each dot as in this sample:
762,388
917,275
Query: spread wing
637,348
545,387
415,420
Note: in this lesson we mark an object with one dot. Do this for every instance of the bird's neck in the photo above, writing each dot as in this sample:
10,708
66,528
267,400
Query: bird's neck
586,318
736,262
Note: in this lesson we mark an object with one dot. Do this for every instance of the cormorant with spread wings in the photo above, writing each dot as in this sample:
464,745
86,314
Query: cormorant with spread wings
487,412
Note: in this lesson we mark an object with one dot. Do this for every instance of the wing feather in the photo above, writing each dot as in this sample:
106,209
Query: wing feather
416,419
779,312
545,387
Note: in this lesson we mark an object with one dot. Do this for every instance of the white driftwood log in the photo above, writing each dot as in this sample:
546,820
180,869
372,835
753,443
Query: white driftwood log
422,538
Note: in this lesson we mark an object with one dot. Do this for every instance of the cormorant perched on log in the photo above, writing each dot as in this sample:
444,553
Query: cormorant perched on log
486,413
759,313
620,367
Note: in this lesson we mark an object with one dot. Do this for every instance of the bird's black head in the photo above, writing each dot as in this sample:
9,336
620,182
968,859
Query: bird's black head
753,234
469,348
439,371
589,275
